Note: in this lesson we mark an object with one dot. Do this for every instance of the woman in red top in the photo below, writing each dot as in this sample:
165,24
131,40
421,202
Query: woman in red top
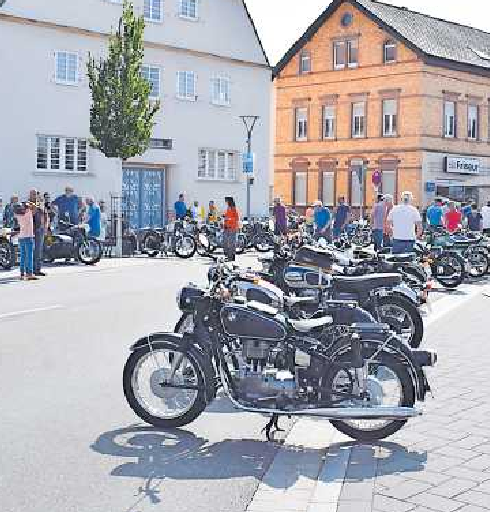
230,229
453,218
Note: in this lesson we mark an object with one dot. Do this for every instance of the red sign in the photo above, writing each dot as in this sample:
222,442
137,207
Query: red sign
377,178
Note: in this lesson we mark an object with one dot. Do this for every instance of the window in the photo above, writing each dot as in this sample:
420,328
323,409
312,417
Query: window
389,52
328,122
188,9
388,183
66,154
301,115
186,85
221,91
449,119
390,108
355,185
66,68
346,53
161,144
217,165
473,122
328,185
153,10
300,182
358,119
304,62
152,74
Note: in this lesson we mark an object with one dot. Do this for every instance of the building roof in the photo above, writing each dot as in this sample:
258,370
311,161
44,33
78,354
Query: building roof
433,38
255,30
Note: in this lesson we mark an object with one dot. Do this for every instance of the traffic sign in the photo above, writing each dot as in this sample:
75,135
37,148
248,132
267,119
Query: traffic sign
377,178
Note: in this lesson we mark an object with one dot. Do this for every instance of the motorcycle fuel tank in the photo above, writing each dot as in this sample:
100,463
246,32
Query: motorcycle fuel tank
296,276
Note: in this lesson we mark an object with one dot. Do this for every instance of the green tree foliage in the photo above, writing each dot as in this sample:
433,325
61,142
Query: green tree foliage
121,116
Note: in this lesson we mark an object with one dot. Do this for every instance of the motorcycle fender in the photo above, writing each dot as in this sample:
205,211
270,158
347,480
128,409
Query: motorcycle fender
406,292
184,342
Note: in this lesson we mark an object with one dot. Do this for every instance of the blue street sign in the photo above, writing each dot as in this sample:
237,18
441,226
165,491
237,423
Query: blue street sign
248,160
430,186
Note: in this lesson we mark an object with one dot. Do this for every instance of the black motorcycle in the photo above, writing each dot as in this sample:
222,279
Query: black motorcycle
173,238
7,249
366,383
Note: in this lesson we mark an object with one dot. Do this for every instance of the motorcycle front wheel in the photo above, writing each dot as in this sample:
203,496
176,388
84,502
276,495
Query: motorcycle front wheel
7,255
154,396
90,251
151,244
478,260
449,269
185,246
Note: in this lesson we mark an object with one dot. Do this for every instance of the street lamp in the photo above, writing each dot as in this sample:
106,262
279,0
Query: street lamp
249,122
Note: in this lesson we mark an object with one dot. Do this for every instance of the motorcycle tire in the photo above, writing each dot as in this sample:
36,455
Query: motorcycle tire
7,255
401,303
341,354
458,264
185,241
92,258
151,244
196,362
262,243
478,260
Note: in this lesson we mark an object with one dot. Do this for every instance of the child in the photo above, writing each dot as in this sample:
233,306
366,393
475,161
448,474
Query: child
23,214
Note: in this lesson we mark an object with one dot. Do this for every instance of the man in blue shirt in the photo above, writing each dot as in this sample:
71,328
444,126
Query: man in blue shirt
435,214
67,205
180,208
322,220
341,218
93,217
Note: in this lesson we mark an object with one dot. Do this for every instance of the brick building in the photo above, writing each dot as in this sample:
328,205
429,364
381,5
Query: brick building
371,87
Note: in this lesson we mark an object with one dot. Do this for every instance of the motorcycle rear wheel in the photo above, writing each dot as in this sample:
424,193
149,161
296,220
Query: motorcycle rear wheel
456,263
7,255
90,251
185,247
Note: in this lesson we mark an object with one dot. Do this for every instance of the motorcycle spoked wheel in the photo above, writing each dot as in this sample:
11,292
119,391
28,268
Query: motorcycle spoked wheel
453,268
90,251
7,255
478,260
151,244
185,247
389,384
165,407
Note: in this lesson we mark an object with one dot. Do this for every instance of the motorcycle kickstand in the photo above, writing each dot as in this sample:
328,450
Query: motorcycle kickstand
273,422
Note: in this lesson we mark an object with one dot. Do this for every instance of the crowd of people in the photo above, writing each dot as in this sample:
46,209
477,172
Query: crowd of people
37,216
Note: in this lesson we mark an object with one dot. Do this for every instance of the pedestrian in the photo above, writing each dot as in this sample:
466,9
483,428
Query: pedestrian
40,224
377,222
310,220
453,218
68,208
474,219
212,212
24,216
466,209
93,217
406,224
197,212
9,219
180,208
322,221
387,231
231,220
341,218
104,221
280,219
435,214
485,213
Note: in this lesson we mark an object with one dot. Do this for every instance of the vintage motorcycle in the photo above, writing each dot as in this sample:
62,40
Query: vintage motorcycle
173,238
366,383
7,249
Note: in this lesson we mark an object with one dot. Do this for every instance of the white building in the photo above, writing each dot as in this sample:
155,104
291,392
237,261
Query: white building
207,66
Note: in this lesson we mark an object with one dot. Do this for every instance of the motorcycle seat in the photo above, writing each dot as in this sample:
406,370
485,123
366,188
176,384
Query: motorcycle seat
308,324
399,258
363,285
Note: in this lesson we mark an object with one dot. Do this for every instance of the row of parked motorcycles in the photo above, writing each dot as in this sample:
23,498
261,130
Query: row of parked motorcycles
320,330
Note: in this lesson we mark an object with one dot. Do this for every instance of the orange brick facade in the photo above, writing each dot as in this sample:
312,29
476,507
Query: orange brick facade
419,91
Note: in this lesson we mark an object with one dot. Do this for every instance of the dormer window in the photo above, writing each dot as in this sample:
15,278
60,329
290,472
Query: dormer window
304,62
389,52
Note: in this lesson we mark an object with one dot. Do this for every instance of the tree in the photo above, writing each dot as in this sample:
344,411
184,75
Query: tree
121,115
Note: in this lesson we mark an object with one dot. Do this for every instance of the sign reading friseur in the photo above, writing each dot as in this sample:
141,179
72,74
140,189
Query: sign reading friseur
462,165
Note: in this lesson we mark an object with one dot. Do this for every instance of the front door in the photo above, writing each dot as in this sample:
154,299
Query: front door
144,197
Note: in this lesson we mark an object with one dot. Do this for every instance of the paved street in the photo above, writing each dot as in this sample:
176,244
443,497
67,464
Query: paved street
69,442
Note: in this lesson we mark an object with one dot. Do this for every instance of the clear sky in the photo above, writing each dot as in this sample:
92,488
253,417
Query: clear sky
281,22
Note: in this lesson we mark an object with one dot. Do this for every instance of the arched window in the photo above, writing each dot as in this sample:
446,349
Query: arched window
304,62
389,52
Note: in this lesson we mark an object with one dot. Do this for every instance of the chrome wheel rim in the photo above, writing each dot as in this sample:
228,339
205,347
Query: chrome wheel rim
398,319
89,250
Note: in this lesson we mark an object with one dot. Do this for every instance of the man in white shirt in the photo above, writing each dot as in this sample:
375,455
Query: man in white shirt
485,213
406,224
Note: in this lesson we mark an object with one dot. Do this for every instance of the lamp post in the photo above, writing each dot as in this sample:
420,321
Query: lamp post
249,122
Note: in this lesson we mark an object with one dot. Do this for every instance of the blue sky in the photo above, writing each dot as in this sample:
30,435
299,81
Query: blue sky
281,22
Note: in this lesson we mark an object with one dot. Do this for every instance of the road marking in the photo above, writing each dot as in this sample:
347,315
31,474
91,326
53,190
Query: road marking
28,311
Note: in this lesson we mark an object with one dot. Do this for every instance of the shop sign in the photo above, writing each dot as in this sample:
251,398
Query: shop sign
462,165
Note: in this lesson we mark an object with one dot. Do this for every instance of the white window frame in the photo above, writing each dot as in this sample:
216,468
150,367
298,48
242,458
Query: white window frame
338,45
151,68
189,76
152,12
391,45
391,117
68,55
301,124
184,5
473,115
224,99
304,56
358,133
328,113
62,155
213,160
450,120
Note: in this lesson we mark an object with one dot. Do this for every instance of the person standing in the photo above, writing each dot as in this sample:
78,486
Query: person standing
280,219
377,222
435,214
24,216
474,219
453,218
387,231
180,208
104,221
9,219
40,224
67,205
406,224
231,220
322,221
310,220
93,217
341,218
485,214
212,212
